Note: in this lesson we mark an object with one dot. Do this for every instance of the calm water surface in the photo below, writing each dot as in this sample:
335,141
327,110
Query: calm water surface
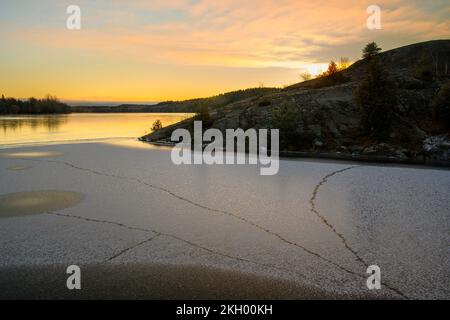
56,128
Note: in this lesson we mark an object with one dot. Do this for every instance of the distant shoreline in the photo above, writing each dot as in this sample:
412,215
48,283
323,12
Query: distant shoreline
122,109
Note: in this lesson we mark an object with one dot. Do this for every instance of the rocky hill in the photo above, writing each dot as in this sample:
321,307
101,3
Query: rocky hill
327,117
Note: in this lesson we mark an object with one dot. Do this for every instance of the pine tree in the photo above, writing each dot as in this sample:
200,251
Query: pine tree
376,97
370,50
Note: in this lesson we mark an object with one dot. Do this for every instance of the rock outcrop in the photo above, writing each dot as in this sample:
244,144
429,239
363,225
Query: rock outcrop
330,116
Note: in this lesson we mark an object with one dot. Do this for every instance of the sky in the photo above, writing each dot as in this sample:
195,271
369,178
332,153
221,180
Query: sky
157,50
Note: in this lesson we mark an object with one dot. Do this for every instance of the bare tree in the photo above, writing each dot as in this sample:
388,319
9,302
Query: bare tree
344,63
332,68
306,76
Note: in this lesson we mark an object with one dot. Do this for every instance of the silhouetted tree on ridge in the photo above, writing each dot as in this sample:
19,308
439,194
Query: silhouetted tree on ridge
371,50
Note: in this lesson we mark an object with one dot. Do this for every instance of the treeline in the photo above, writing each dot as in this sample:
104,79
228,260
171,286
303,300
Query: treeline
48,105
215,102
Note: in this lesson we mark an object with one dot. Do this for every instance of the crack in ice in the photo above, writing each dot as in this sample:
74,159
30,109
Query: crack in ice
219,211
312,202
132,247
159,234
281,238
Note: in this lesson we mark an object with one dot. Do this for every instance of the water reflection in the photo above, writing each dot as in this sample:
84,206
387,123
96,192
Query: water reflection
76,127
50,123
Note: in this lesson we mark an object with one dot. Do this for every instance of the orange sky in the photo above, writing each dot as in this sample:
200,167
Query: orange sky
177,49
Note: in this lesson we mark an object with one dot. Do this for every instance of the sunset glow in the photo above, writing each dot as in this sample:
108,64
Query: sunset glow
168,50
316,68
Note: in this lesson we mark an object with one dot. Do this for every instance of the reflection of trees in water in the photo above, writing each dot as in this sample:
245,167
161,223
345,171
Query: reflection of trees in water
51,123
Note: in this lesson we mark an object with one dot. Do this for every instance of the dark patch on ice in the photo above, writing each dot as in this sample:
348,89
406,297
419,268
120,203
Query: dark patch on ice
36,202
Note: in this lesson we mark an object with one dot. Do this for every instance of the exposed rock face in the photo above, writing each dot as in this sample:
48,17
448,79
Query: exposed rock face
437,147
330,116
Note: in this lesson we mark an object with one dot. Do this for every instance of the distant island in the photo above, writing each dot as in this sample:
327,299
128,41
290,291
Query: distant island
48,105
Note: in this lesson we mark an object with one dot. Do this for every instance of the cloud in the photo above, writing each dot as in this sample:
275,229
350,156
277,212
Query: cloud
236,33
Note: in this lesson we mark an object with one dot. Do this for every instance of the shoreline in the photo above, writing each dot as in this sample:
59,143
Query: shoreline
337,156
284,155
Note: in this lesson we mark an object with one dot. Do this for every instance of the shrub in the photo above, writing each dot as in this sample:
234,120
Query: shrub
441,106
157,125
306,76
289,120
264,103
203,115
376,97
344,63
424,71
328,80
331,77
332,69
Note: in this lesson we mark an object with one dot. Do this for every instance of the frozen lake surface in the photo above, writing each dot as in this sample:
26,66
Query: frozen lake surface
318,224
